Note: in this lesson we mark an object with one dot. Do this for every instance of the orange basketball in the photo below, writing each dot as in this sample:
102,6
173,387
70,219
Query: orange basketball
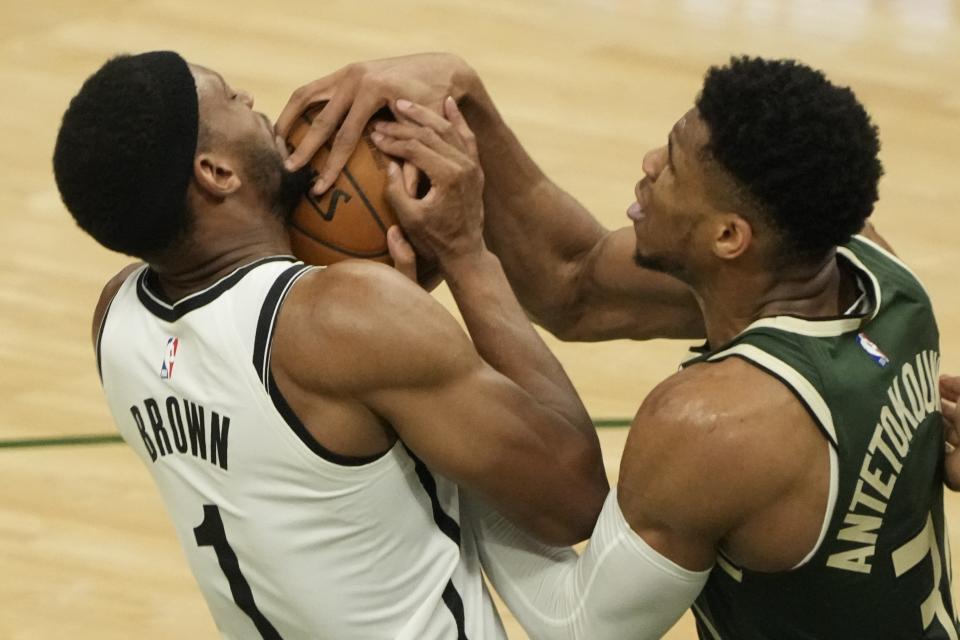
351,219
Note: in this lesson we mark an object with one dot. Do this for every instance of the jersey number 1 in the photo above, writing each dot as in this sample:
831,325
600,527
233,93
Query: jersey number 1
210,533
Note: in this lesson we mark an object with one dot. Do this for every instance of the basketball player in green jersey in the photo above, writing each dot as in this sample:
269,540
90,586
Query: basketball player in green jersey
793,468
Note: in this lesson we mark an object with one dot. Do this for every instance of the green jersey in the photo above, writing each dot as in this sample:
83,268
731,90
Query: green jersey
881,568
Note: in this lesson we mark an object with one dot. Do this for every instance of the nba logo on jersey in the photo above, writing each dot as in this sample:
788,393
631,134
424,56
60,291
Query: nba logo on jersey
872,350
169,355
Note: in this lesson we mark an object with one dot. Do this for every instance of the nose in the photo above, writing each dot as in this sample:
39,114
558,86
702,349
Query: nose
654,162
245,98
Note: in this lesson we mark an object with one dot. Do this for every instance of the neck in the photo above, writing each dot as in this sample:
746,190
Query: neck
734,299
213,253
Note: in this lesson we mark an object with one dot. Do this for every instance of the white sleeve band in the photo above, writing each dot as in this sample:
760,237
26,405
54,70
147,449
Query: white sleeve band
620,588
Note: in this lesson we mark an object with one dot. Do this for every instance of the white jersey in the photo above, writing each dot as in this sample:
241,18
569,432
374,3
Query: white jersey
286,539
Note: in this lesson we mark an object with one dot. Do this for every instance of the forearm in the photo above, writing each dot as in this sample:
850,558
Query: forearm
618,588
504,337
541,234
571,275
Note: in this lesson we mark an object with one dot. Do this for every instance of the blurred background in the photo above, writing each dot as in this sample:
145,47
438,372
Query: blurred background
589,86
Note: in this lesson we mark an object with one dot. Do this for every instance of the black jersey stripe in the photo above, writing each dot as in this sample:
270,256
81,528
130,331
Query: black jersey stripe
451,598
297,426
155,304
446,524
268,319
450,528
262,349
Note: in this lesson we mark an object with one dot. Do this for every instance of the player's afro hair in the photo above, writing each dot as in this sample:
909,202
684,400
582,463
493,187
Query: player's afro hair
802,148
124,154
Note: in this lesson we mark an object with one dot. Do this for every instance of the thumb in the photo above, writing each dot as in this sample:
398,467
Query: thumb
395,191
404,258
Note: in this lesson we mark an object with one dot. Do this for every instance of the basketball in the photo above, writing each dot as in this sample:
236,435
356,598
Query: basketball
350,220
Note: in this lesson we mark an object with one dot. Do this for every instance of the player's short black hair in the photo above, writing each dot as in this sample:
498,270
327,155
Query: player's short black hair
802,149
124,153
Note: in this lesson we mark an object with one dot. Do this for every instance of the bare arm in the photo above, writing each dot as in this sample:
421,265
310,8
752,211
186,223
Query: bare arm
700,468
363,332
447,223
575,277
572,276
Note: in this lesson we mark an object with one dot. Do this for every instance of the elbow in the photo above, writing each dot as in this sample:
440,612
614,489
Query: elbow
584,492
575,524
565,323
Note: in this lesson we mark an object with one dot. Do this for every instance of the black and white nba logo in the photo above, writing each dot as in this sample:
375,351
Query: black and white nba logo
169,357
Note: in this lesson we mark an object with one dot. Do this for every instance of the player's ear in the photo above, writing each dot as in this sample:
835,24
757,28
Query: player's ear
733,236
215,175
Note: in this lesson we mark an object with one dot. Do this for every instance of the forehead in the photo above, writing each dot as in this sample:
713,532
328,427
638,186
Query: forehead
209,82
690,132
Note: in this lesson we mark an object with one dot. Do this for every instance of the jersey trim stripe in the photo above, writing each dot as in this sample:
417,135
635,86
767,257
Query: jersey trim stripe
262,350
451,529
793,380
297,426
877,292
268,320
831,505
172,312
728,566
827,327
893,258
453,601
811,328
447,524
705,622
815,405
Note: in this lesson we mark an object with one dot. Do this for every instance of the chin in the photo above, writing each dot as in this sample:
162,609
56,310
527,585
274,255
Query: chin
660,264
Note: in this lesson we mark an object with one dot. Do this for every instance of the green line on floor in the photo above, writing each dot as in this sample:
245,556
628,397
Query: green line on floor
113,438
66,441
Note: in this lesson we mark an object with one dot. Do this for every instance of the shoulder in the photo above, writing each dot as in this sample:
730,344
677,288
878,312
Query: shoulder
107,295
360,323
353,285
712,445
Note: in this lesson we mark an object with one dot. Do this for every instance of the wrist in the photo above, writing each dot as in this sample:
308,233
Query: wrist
460,265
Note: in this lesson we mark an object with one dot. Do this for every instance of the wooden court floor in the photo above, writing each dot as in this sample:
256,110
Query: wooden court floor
85,549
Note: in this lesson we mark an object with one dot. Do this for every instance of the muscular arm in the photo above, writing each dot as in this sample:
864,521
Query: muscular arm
705,464
363,332
573,276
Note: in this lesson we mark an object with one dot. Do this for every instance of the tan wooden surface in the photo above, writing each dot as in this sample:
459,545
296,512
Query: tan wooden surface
85,549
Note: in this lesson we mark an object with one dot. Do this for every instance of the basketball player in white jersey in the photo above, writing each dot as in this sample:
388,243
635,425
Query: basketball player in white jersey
787,483
307,428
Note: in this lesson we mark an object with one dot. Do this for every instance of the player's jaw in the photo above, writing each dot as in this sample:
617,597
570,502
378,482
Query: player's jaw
660,240
274,185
